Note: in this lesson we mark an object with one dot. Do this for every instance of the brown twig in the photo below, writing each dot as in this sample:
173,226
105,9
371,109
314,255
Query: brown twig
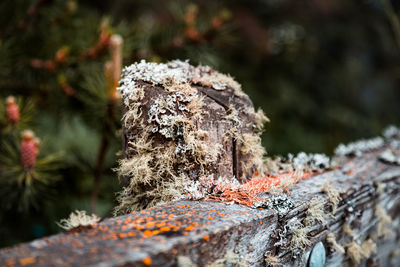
102,152
104,144
393,18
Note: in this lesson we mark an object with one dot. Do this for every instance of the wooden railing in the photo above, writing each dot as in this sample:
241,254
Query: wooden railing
363,228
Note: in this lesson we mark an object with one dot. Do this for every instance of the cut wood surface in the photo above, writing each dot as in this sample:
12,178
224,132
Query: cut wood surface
218,234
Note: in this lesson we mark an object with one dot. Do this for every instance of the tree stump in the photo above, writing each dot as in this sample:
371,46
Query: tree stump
182,124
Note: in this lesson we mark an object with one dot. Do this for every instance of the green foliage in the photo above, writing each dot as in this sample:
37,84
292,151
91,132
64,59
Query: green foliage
27,114
20,189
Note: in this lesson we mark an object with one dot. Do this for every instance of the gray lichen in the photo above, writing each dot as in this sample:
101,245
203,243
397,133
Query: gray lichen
391,132
359,147
302,162
311,162
281,203
179,71
390,156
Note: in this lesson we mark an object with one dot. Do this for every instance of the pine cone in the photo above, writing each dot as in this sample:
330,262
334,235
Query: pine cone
29,150
12,110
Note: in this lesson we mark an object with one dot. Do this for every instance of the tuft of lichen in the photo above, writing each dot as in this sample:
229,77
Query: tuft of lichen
302,162
331,239
391,132
359,147
299,240
184,261
333,195
271,260
354,252
358,252
77,219
384,222
368,247
230,259
348,231
315,212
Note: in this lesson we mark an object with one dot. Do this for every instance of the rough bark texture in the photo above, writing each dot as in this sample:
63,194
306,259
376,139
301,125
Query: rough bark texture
216,107
202,233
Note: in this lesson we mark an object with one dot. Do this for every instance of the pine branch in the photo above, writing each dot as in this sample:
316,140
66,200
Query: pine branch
393,19
30,15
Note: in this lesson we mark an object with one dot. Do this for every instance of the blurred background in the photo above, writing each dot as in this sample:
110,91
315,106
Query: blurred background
324,72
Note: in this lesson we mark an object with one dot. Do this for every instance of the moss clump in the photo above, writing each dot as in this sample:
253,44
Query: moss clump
300,240
331,239
77,219
333,195
315,213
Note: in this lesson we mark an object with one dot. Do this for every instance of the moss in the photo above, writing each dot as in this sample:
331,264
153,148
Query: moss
368,247
271,260
384,222
77,219
348,231
358,252
220,81
251,146
230,259
184,261
260,119
333,195
331,239
315,212
299,239
354,252
380,189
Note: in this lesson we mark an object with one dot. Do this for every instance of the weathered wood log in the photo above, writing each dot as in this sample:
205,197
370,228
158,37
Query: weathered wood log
182,123
200,233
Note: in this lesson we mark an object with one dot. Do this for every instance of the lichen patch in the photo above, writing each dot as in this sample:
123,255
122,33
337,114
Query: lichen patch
77,219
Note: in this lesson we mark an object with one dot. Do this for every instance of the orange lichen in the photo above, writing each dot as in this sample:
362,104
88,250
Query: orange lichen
206,237
246,194
28,260
189,228
147,261
165,229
